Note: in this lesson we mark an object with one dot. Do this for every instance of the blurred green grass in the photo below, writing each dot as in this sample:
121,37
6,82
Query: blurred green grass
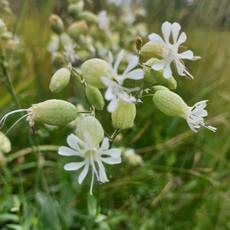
184,183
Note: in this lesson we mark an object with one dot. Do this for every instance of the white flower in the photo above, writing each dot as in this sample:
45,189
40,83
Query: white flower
52,47
120,2
114,83
170,51
70,53
91,156
102,19
194,116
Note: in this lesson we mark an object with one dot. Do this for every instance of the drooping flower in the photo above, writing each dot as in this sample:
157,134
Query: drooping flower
173,105
114,83
91,156
70,53
170,51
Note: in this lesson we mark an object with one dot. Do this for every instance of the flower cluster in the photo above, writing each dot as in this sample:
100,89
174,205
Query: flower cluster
123,82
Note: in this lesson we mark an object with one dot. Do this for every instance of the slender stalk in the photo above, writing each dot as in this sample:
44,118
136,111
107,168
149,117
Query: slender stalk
98,198
138,92
16,26
11,88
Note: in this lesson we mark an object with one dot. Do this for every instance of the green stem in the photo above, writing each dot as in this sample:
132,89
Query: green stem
15,26
11,89
149,95
98,198
138,92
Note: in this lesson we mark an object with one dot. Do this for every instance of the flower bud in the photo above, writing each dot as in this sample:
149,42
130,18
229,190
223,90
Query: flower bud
152,76
77,29
138,43
95,97
6,35
170,103
58,60
89,17
65,39
75,9
3,27
151,49
59,80
158,87
124,115
94,128
5,144
56,24
53,112
93,70
131,157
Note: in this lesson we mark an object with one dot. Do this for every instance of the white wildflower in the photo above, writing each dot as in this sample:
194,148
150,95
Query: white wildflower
102,19
70,53
114,83
170,51
91,156
194,116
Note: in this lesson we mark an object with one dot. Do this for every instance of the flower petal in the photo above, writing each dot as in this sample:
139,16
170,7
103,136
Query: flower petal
166,30
64,151
112,105
133,63
105,144
157,39
83,173
136,74
73,142
109,94
74,166
175,31
167,72
119,58
112,152
102,175
186,55
182,39
111,62
111,160
88,139
159,66
106,81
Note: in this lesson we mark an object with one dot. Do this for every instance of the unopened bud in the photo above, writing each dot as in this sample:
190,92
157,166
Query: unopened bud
77,29
94,128
3,27
138,43
93,70
89,17
53,112
151,49
152,76
65,39
59,80
58,60
124,115
170,103
95,97
75,9
5,144
56,24
158,87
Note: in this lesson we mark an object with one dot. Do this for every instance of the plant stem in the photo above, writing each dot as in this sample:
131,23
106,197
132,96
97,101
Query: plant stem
98,198
11,88
138,92
15,26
